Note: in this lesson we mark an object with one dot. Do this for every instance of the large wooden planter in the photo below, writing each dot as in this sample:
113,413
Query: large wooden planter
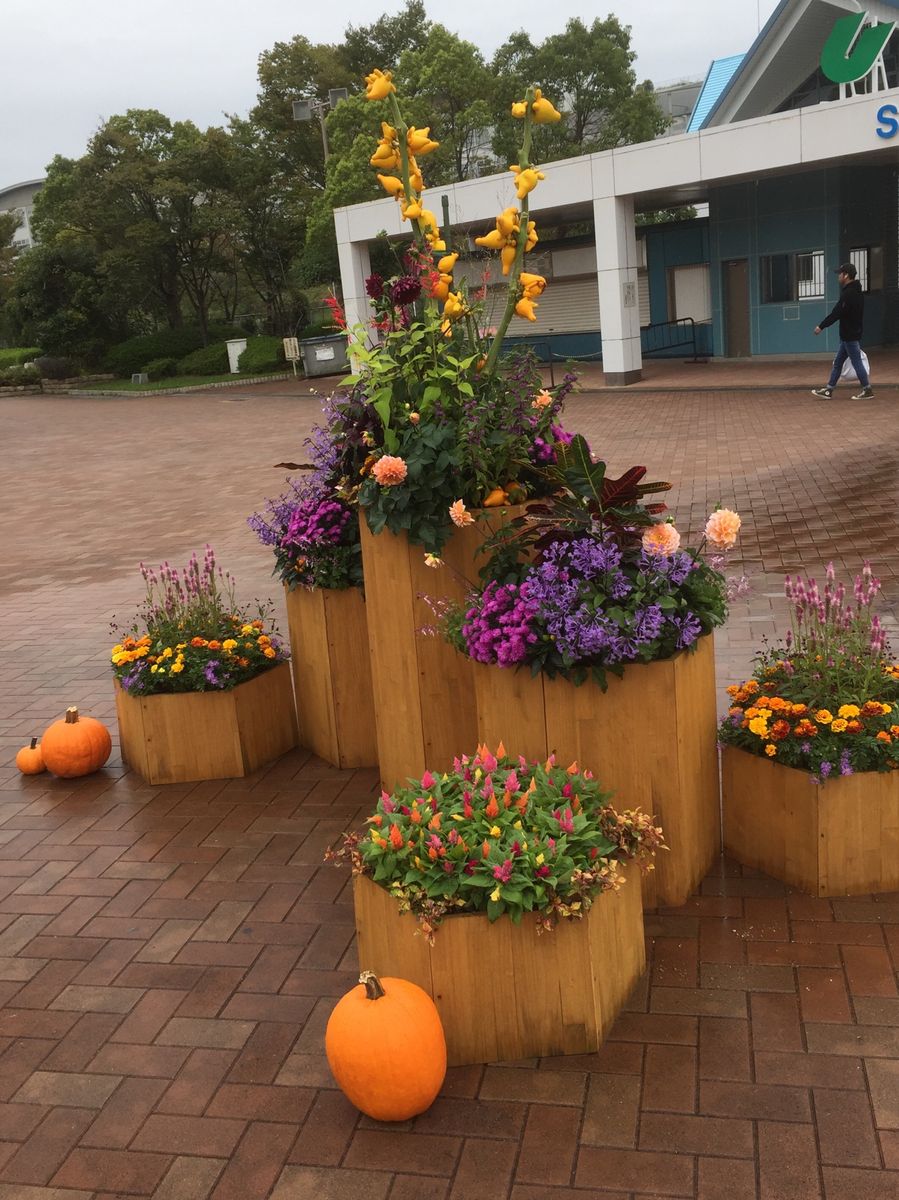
208,735
650,739
332,674
503,991
425,708
839,838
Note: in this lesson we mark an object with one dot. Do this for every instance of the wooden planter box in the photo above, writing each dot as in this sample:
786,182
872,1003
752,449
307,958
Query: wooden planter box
208,735
840,838
650,739
332,674
503,991
425,708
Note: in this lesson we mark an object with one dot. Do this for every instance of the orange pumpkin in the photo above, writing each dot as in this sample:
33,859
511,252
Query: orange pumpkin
76,745
386,1048
30,759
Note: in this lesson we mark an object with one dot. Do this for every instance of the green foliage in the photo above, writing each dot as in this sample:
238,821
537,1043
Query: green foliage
135,353
161,368
262,354
208,360
55,367
12,375
17,357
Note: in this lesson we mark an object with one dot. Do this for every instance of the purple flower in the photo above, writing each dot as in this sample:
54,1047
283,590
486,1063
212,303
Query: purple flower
845,764
210,671
689,628
825,769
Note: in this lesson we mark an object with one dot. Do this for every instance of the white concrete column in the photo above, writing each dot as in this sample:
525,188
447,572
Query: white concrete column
619,302
355,267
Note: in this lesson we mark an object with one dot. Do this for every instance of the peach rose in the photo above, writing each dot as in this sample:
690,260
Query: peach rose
661,539
722,528
542,400
389,470
459,514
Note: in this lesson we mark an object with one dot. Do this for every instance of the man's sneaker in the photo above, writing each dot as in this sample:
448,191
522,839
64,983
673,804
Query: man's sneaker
824,393
865,394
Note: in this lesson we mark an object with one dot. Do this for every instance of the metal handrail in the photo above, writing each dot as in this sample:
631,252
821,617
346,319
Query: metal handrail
689,325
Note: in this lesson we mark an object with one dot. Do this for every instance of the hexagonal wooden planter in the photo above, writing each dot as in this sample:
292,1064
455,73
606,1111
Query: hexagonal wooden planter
650,739
425,708
190,736
332,674
839,838
503,991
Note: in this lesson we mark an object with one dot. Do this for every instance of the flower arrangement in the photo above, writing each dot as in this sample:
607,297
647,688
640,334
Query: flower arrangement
311,528
499,836
594,582
191,636
454,419
827,699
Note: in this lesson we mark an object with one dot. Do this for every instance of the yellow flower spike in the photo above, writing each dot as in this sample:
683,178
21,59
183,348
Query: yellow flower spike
454,306
533,284
526,180
385,157
507,256
493,240
392,185
437,244
519,109
543,111
525,308
378,85
532,237
442,287
508,221
429,223
388,133
419,140
411,211
495,831
415,179
446,264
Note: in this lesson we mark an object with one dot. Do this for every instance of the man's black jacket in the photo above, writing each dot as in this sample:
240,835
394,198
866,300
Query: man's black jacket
848,310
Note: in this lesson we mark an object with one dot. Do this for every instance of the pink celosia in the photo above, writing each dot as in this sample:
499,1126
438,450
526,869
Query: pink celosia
389,470
661,539
459,514
722,528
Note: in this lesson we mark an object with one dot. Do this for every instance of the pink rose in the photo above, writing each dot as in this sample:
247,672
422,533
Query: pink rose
389,470
722,528
662,539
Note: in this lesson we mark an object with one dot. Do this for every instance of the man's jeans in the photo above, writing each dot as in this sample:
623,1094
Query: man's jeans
852,351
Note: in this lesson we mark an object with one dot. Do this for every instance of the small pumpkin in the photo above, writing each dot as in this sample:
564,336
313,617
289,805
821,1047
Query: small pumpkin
386,1048
30,759
75,745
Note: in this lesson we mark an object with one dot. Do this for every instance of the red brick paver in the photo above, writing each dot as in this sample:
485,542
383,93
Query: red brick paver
169,955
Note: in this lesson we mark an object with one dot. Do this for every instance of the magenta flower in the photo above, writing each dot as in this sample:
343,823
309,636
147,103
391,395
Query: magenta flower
503,873
565,819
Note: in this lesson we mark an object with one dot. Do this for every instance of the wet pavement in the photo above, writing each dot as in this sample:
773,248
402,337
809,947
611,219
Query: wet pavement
168,956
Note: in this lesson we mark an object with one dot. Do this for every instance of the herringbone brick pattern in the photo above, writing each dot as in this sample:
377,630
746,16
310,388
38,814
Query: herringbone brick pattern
169,955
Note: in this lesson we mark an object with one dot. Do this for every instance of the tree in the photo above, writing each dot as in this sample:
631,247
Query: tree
383,43
587,72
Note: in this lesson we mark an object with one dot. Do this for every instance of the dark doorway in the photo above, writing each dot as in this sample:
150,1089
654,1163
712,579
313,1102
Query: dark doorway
736,308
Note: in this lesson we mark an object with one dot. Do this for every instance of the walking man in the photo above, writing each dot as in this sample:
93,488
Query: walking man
849,311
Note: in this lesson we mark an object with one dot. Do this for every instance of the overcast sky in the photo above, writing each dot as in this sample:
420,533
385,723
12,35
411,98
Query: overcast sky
65,65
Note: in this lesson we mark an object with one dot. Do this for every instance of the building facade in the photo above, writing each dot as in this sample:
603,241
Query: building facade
19,198
799,170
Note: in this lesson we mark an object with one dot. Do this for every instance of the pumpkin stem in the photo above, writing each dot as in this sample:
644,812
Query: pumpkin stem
372,984
72,715
33,744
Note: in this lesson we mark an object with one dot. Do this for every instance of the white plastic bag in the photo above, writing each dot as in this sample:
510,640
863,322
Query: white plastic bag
848,374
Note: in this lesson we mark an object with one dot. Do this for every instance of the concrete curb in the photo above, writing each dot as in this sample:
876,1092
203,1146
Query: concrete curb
179,391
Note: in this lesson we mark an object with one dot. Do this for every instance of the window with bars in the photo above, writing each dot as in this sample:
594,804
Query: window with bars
868,262
786,278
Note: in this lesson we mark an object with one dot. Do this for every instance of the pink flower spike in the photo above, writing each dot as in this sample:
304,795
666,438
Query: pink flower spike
427,781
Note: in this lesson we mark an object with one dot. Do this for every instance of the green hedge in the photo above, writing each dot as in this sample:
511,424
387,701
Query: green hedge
17,357
210,360
13,375
132,356
262,354
161,368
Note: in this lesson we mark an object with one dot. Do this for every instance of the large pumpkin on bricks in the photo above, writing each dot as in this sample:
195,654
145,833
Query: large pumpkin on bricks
386,1048
75,745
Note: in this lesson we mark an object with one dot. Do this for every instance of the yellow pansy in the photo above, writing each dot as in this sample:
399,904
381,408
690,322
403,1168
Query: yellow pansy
378,85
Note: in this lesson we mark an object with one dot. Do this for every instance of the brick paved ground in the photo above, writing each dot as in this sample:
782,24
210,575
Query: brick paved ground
169,956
